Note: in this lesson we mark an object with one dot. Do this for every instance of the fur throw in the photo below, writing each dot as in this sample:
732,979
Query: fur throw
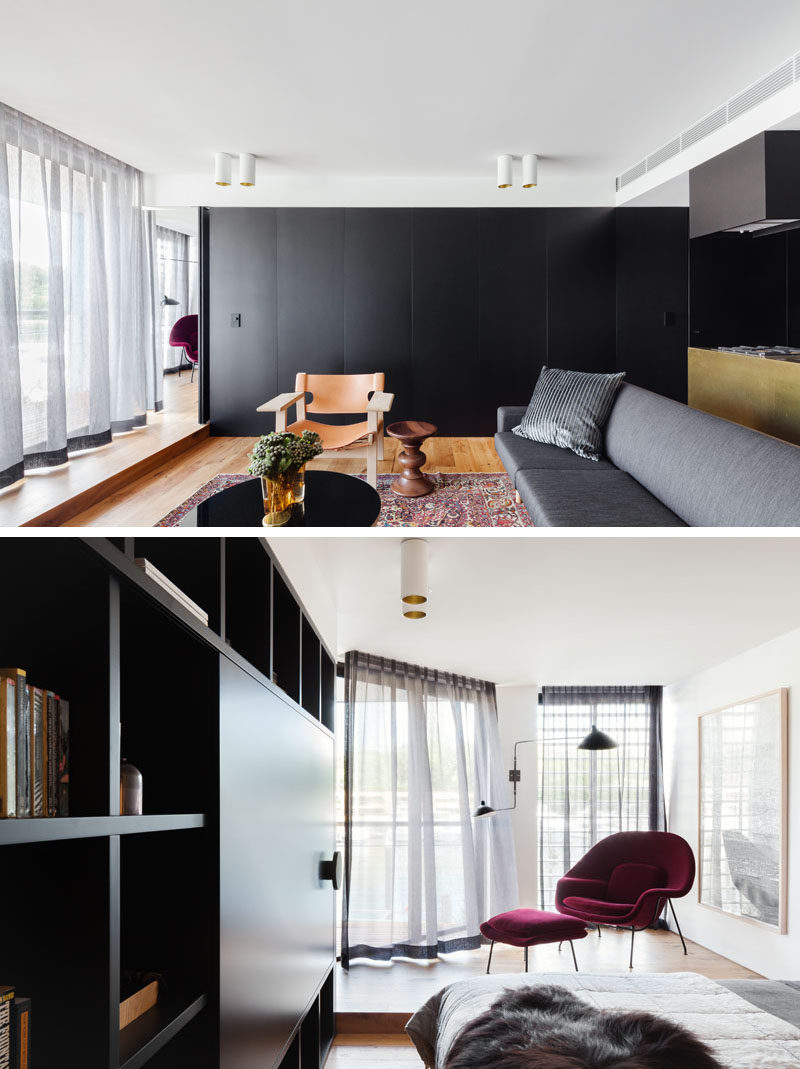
548,1027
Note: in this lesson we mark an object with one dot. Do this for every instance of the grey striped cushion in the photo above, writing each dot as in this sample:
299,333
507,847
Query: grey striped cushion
570,409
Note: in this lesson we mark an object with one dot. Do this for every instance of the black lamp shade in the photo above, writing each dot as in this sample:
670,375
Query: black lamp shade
483,810
168,300
598,740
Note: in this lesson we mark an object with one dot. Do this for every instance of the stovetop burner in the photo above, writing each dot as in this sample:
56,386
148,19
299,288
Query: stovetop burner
769,352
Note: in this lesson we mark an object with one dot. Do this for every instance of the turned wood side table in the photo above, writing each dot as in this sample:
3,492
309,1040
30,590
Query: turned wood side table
411,433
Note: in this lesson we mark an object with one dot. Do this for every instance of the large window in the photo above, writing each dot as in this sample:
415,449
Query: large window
77,323
585,795
421,750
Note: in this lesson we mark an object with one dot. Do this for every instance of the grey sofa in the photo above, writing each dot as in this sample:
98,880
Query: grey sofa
666,465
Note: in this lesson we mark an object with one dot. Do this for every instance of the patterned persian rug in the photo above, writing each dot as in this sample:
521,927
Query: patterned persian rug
469,500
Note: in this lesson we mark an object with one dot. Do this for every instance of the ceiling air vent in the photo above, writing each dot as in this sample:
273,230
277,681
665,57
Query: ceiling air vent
783,76
666,152
715,121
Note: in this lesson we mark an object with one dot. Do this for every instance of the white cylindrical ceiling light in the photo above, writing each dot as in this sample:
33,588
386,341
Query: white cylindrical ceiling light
504,171
530,170
414,577
222,168
247,169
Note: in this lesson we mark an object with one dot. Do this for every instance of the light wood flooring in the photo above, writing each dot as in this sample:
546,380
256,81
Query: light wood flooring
49,496
374,1001
145,501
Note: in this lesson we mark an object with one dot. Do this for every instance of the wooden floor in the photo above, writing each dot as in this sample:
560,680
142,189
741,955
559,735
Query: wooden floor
374,1001
144,502
48,496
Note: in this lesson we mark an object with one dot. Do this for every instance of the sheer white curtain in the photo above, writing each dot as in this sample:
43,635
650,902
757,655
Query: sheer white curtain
421,751
585,795
77,302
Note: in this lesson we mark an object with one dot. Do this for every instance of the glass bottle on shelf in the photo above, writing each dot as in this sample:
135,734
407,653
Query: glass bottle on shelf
130,790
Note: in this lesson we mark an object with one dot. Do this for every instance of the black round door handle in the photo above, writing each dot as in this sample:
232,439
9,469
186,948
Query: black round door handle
332,870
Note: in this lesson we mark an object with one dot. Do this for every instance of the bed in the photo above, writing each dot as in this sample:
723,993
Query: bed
730,1016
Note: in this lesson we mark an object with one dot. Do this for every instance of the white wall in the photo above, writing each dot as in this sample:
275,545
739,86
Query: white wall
306,191
775,664
516,714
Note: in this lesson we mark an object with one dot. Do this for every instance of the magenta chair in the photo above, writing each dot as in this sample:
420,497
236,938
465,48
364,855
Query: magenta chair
184,336
626,879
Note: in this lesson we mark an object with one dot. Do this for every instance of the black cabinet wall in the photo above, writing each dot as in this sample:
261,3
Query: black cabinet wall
460,307
744,289
238,808
652,298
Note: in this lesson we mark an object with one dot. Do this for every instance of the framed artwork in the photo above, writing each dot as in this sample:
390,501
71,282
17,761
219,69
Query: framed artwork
743,797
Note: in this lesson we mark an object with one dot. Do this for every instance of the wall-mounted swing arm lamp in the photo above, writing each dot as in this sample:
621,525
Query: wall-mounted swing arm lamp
595,740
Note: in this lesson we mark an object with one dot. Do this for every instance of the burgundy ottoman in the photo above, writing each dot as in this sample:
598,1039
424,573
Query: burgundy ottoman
528,927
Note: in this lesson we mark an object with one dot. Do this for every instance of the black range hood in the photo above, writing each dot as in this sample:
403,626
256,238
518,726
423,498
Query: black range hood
753,188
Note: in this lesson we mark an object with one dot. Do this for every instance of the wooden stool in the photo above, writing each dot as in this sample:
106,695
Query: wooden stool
412,433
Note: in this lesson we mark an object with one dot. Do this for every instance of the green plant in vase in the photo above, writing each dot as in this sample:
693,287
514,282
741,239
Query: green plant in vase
279,459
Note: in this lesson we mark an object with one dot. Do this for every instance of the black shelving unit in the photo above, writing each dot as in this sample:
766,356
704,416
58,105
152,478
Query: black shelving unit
90,895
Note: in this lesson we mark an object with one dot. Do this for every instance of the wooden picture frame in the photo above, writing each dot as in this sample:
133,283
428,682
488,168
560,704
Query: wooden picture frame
743,775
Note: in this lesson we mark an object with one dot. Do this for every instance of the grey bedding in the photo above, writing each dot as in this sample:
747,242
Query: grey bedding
749,1024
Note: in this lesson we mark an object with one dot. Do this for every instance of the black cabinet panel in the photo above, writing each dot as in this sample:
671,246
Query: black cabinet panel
377,299
459,307
310,292
277,916
513,309
445,287
581,288
652,298
793,288
241,361
738,290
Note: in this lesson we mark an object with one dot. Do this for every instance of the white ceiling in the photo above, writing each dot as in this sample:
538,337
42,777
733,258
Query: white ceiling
358,87
555,609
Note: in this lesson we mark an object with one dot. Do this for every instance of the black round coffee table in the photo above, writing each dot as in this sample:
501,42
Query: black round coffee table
331,500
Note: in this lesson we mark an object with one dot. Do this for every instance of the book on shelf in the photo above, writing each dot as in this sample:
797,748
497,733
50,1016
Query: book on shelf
62,753
8,747
6,1003
34,749
38,766
174,591
23,734
21,1033
51,752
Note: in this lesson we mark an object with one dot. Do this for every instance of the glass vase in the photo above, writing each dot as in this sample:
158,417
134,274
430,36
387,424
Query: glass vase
280,494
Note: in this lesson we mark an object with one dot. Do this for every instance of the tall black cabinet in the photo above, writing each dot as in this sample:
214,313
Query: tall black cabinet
460,307
217,885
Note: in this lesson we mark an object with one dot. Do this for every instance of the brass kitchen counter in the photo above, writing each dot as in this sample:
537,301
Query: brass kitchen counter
750,390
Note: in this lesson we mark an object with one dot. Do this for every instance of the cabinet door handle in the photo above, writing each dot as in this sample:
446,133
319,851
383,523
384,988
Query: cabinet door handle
332,870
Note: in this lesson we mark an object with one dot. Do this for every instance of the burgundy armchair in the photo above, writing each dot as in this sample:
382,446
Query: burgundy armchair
626,880
184,336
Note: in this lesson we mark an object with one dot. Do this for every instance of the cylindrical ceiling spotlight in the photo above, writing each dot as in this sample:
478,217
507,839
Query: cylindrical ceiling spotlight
414,577
222,168
530,170
504,171
247,169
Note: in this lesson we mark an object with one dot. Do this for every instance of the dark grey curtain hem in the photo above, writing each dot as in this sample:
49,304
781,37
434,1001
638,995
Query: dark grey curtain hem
407,950
52,458
121,426
12,475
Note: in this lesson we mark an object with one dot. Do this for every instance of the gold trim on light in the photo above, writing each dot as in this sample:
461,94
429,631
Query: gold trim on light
223,183
530,185
414,599
505,185
247,183
415,614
